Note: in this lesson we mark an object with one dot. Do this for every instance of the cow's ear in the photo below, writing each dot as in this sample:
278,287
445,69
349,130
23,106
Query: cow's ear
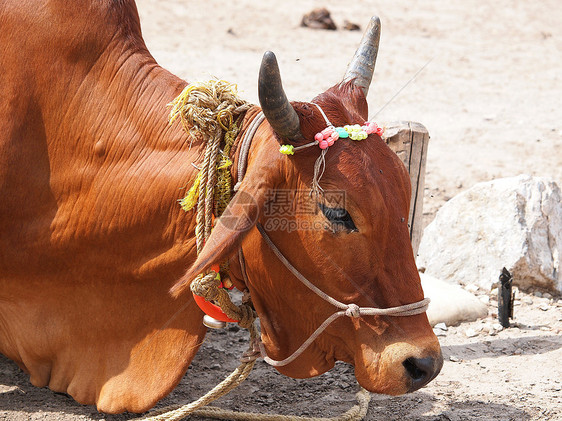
230,229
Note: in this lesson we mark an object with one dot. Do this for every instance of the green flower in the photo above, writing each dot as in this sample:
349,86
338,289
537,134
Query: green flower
287,149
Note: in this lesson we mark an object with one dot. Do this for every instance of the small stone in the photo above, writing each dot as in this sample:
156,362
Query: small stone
350,26
319,19
547,295
545,329
494,292
470,332
454,359
439,332
538,294
497,327
471,288
527,300
544,307
484,298
441,326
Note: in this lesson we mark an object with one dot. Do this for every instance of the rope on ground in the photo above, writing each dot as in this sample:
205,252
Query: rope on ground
356,412
198,408
180,412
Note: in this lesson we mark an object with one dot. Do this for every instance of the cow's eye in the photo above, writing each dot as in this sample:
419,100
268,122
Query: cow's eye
339,218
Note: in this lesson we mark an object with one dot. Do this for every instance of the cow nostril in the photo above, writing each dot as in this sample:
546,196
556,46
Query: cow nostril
421,371
414,369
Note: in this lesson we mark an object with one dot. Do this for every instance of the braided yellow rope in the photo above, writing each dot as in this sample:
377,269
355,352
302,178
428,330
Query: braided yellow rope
207,110
224,184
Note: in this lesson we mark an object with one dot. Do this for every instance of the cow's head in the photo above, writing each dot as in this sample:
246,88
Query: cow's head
352,242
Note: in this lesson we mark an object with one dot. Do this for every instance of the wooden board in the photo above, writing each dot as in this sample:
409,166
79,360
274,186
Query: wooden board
409,140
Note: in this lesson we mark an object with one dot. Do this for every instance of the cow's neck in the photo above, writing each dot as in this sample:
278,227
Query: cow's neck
121,100
116,169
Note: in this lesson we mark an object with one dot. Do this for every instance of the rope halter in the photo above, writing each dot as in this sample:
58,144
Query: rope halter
349,310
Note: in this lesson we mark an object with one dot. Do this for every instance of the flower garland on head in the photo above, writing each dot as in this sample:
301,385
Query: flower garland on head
330,134
327,138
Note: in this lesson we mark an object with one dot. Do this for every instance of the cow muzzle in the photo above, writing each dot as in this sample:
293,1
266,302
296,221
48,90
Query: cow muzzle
399,367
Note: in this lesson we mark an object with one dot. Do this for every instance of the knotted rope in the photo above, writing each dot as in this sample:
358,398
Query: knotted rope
208,287
208,110
349,310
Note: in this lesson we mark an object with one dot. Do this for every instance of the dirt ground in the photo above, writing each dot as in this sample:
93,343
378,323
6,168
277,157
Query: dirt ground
490,95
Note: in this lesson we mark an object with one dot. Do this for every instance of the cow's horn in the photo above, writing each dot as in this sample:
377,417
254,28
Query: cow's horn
274,103
362,65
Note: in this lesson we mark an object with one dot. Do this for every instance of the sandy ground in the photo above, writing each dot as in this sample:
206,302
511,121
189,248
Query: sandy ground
490,94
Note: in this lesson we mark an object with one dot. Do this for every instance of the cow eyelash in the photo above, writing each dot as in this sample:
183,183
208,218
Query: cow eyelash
339,217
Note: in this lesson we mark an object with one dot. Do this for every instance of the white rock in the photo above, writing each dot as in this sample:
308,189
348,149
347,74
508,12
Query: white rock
439,332
471,288
440,329
513,222
471,333
450,303
527,300
484,298
497,327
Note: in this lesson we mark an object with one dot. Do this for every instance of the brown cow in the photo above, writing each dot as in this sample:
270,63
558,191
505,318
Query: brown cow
92,238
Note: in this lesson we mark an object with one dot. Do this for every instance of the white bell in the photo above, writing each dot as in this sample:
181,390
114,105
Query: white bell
213,323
